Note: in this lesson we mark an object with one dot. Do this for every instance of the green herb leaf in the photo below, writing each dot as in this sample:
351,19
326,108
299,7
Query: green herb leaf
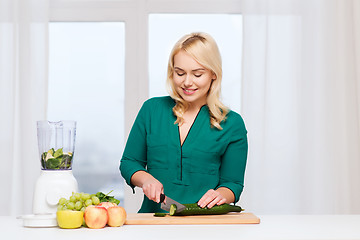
58,153
53,163
106,198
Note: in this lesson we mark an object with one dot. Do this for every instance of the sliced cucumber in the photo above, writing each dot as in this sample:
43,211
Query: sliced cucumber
159,214
173,209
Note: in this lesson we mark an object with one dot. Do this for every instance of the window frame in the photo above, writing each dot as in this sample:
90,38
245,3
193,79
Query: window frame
135,15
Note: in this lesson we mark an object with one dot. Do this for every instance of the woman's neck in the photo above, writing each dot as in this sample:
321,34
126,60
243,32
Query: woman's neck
192,107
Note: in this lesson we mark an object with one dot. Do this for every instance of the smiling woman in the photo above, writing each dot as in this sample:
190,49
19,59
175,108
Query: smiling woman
191,118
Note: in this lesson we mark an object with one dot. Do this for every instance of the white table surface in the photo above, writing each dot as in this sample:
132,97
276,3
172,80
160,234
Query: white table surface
271,227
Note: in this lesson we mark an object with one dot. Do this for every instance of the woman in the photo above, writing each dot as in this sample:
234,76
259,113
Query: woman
188,145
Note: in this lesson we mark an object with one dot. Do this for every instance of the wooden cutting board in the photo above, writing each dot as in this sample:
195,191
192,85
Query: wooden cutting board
230,218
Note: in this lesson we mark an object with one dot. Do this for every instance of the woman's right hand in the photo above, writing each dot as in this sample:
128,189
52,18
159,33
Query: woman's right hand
151,187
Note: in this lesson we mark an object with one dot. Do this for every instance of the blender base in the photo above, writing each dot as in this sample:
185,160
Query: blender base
39,220
50,187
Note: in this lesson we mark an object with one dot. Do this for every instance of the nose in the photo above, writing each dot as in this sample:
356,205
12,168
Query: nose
188,82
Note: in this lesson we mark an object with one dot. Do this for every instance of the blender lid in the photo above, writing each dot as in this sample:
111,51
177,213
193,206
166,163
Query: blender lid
39,220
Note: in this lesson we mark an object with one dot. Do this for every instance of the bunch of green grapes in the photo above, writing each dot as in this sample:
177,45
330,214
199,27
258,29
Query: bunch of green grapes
78,202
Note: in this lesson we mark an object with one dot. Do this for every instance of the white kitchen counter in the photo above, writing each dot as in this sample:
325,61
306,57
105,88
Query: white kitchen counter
271,227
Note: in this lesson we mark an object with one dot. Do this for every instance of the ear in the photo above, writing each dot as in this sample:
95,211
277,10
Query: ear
214,77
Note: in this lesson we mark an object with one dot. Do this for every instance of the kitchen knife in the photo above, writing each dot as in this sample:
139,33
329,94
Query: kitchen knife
169,202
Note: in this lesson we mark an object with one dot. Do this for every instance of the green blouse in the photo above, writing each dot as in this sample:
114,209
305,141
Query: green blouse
208,159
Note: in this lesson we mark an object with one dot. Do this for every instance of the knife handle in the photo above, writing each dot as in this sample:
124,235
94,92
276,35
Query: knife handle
162,197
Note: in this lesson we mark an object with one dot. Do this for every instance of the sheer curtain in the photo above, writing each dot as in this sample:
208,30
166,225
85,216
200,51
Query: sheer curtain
301,103
23,97
301,85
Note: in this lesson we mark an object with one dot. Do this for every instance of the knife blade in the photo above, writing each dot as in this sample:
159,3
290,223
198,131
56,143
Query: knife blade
169,202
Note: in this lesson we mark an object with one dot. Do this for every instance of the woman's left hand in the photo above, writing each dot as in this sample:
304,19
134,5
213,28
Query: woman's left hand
211,198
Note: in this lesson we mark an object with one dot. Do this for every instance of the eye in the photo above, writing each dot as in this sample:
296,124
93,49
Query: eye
197,75
180,74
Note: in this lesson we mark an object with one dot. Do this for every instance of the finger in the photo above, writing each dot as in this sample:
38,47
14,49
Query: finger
222,201
157,197
202,199
207,198
147,191
214,202
158,193
154,192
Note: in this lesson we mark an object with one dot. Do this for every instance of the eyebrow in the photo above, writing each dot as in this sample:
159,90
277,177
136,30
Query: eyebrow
194,70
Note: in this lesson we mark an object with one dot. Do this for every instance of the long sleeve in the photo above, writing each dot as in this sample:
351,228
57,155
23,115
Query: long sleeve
134,157
233,161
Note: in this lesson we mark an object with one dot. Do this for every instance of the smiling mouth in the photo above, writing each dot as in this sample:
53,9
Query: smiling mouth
189,91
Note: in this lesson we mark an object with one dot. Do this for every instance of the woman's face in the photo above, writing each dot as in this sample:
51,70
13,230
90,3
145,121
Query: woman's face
192,81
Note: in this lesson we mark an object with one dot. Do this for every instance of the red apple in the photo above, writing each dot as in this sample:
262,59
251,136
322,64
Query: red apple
117,216
96,216
106,204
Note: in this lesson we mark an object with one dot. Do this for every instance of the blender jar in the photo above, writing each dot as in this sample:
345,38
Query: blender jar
56,144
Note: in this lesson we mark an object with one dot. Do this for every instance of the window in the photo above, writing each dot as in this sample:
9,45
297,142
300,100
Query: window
86,84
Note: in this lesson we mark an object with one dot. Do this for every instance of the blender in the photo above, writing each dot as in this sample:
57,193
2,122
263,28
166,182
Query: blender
56,142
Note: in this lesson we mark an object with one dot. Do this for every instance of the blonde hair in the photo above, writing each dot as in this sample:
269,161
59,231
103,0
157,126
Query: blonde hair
203,48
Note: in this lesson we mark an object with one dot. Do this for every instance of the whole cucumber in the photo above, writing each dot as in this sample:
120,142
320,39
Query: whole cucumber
194,209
